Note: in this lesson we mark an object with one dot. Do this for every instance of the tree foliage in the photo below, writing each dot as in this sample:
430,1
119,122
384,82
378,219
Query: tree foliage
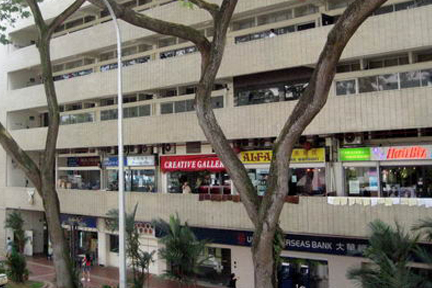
182,251
392,252
15,222
140,260
17,267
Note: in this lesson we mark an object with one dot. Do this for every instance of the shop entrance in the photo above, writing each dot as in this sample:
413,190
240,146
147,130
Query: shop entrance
82,243
303,273
406,181
216,269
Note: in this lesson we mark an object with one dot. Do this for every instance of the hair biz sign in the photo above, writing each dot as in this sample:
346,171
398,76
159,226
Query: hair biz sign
419,152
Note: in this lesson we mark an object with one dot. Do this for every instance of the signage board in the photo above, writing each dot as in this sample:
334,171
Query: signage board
140,160
341,246
130,161
314,155
191,163
355,154
78,220
83,161
417,152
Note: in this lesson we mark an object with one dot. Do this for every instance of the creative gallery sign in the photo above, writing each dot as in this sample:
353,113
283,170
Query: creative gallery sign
298,156
191,163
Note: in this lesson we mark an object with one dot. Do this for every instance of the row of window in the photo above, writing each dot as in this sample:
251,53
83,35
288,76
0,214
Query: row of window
275,93
130,112
138,111
274,32
188,105
402,80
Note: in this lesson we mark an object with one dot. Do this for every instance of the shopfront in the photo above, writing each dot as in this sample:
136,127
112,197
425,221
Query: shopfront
81,234
140,173
81,173
307,168
394,171
202,173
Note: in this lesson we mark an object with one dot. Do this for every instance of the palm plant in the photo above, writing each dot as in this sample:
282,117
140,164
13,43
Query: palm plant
183,252
139,260
15,222
391,251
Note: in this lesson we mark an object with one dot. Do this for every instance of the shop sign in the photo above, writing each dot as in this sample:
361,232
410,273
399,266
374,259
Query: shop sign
343,246
191,163
112,162
419,152
141,161
130,161
298,156
355,154
83,161
78,220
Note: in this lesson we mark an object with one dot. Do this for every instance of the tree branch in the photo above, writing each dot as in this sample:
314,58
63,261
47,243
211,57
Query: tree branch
64,15
156,25
212,8
311,103
21,157
37,15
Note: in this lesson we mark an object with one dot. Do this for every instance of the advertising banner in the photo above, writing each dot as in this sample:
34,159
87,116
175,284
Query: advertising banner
355,154
314,155
418,152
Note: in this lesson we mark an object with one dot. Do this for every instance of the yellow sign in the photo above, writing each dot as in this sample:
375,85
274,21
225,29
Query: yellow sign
298,156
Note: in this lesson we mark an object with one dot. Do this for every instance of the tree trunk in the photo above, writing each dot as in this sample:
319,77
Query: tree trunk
263,259
63,264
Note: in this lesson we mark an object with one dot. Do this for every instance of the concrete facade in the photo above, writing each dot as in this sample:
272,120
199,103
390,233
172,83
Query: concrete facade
403,112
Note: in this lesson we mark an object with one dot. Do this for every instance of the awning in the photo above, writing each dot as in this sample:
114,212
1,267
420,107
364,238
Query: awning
191,163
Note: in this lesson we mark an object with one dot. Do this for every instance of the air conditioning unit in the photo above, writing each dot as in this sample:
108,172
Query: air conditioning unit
134,149
111,151
352,139
169,148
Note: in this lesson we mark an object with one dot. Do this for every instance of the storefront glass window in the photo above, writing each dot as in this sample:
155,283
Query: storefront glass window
307,273
303,181
135,180
79,179
361,181
200,182
407,181
216,266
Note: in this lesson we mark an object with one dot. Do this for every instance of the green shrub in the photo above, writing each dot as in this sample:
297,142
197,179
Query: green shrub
17,267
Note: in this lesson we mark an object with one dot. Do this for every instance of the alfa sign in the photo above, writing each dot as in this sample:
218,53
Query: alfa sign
298,156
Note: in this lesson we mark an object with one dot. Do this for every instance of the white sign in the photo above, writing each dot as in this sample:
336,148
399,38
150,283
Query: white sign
141,161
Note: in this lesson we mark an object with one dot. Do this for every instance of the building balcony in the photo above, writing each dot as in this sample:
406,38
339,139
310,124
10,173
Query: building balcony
313,215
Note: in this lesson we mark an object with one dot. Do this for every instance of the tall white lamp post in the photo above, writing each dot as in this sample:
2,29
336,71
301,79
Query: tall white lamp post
122,221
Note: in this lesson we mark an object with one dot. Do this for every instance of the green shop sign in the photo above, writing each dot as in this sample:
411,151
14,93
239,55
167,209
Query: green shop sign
355,154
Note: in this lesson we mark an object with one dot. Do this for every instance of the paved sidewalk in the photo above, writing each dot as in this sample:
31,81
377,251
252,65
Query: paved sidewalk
42,269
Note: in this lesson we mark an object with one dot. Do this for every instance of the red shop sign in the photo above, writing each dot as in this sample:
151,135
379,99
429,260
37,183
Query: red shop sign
191,163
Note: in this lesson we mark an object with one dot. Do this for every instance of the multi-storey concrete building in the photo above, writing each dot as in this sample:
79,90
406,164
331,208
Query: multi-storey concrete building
367,155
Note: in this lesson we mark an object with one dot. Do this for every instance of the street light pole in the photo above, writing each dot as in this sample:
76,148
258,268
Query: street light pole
122,221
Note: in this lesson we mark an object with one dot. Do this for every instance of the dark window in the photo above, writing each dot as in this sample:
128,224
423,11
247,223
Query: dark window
114,243
193,147
306,26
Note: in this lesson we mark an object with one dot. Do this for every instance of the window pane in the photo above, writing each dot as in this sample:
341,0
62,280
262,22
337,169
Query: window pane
130,112
143,181
426,77
167,108
217,102
190,105
109,114
368,84
347,87
64,120
388,82
180,106
410,79
144,110
361,181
